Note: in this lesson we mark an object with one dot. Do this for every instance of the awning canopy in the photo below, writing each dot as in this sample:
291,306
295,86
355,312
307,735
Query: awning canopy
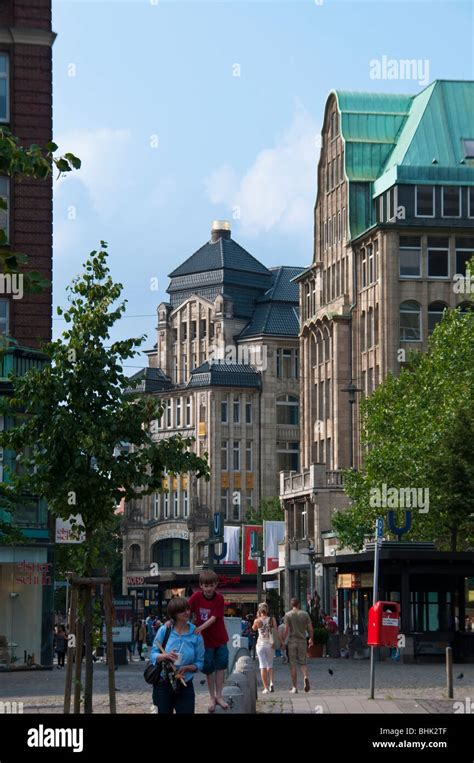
271,573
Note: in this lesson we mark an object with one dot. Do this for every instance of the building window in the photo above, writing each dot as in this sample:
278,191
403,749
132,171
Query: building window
166,505
410,322
172,552
185,504
178,411
184,363
370,380
376,261
224,411
424,201
438,257
248,411
362,330
236,502
248,456
410,256
249,501
435,314
333,124
288,456
156,506
224,455
376,325
175,504
4,89
464,253
470,197
168,413
4,317
363,267
184,331
287,410
287,364
193,329
236,407
370,328
225,503
236,456
451,201
188,411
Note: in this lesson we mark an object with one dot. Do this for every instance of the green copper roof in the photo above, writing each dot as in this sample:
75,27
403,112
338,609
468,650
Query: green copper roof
395,138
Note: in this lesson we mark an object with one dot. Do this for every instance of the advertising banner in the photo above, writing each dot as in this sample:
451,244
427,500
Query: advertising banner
249,565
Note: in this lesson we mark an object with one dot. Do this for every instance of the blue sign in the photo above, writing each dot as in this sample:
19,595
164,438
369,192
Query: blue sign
379,528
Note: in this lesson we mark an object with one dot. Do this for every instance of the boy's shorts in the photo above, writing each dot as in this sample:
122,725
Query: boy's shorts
216,658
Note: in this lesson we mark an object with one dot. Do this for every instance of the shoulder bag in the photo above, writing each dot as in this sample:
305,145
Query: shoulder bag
152,673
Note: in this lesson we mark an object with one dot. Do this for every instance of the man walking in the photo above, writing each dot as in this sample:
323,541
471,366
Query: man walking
297,625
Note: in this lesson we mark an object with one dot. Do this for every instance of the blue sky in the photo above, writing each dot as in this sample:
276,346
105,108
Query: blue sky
185,112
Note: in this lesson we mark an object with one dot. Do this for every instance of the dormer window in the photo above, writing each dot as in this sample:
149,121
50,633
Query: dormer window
468,145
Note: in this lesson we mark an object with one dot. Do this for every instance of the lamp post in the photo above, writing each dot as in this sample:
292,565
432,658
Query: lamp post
311,554
351,389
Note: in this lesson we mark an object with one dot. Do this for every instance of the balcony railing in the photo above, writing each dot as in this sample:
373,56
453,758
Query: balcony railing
316,477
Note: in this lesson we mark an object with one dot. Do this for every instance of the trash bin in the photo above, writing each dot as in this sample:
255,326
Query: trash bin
120,654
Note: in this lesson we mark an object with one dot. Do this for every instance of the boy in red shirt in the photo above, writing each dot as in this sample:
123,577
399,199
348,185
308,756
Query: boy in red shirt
208,608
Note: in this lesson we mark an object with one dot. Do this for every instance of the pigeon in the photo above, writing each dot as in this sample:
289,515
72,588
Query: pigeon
461,675
331,672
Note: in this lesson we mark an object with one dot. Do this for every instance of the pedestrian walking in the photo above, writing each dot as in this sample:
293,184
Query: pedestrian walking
297,626
140,636
185,651
60,643
267,641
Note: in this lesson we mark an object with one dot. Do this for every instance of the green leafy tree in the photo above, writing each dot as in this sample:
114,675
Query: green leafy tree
417,430
72,417
269,509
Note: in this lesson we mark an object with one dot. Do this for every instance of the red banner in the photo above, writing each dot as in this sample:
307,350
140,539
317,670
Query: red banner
249,565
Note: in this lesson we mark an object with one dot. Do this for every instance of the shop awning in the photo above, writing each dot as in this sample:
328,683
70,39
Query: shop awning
270,573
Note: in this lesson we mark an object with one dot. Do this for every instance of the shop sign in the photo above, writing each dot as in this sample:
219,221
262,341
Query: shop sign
183,534
137,580
33,573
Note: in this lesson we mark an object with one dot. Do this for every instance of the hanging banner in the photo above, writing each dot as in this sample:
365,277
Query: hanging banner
273,534
64,532
232,539
249,565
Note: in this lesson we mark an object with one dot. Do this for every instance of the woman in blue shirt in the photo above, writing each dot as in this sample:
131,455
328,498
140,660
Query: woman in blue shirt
185,649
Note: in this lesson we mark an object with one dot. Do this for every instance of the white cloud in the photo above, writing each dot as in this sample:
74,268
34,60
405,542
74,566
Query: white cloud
279,189
104,154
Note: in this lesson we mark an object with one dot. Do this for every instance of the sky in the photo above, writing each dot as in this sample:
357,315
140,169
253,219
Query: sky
187,112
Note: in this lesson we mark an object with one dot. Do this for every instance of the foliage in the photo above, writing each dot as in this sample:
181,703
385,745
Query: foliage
269,510
320,636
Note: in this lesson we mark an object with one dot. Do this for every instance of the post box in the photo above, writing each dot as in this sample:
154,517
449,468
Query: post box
384,624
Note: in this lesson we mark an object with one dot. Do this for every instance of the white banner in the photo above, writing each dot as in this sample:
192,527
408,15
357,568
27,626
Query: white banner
64,532
232,538
273,534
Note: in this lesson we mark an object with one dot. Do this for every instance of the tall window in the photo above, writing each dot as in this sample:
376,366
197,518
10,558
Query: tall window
248,456
4,316
224,411
370,328
156,505
225,503
185,504
236,503
288,456
248,410
178,411
224,455
236,456
287,410
410,322
424,201
438,257
363,267
464,253
168,413
451,201
362,330
435,314
236,409
4,89
166,505
184,363
175,504
287,363
410,256
470,201
370,252
249,500
188,411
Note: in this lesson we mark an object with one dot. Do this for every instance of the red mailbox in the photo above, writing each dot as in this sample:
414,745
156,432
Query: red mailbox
384,624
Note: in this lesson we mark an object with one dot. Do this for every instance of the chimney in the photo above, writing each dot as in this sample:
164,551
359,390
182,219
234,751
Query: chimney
220,229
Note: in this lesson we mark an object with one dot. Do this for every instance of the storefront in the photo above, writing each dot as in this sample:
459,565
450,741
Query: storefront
26,606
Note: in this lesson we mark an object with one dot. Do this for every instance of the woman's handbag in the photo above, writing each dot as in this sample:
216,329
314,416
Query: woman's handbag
152,673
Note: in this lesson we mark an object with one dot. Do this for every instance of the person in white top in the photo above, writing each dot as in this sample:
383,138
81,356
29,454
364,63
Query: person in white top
266,644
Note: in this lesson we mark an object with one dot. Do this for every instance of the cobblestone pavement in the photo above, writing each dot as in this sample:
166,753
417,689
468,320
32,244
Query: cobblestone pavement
398,689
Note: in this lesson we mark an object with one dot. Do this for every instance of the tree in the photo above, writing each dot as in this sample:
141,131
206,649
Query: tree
72,416
269,509
417,430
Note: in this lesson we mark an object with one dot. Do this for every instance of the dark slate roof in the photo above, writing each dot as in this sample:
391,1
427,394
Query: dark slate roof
223,253
223,374
276,312
151,380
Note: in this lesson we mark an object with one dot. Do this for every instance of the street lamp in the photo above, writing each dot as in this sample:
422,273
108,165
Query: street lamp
351,389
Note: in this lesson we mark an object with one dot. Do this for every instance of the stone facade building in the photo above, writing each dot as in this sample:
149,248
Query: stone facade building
394,224
226,368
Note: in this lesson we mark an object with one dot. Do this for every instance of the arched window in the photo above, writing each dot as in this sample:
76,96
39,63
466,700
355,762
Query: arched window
435,313
171,552
134,555
410,322
287,410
